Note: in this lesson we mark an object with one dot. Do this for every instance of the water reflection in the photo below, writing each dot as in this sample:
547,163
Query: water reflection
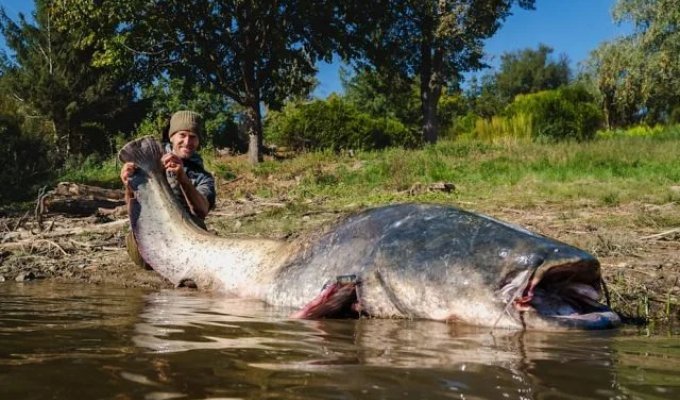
74,342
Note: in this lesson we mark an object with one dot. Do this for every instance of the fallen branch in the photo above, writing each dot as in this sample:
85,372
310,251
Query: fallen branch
77,199
662,234
30,243
671,300
231,181
20,221
52,243
114,226
93,246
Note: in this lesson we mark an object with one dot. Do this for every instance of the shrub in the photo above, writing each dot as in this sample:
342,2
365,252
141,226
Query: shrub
334,124
519,126
569,112
633,131
463,125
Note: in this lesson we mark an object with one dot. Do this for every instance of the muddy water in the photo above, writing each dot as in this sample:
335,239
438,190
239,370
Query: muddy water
79,342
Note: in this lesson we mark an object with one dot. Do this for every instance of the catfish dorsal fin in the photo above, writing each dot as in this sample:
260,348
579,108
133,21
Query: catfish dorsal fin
144,152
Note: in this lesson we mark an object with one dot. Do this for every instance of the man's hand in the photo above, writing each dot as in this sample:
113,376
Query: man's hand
174,164
197,202
125,172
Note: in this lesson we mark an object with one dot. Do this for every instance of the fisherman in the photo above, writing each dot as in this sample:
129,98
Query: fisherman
193,186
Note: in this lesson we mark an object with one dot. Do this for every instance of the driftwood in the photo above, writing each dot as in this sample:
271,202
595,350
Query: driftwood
27,236
80,200
420,188
662,234
70,189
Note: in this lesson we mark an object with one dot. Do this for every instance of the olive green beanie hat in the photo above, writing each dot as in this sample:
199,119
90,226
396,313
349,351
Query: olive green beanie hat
186,121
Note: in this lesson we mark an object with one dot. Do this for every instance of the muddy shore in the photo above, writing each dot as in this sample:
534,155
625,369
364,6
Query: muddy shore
641,267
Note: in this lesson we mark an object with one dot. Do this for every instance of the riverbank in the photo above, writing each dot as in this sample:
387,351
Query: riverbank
618,199
641,266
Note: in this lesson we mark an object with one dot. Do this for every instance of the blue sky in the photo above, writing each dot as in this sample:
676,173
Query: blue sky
573,27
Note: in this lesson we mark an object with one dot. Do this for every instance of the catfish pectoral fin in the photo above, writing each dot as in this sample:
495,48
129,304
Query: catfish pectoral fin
336,300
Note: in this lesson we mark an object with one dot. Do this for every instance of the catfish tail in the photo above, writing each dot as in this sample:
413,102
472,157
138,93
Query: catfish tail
144,152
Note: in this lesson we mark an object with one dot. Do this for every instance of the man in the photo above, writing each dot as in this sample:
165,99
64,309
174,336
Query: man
193,186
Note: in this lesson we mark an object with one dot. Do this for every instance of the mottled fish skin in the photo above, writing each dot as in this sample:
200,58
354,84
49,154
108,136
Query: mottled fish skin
177,248
412,260
423,261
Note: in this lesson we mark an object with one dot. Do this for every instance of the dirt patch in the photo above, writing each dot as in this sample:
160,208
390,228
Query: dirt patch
640,257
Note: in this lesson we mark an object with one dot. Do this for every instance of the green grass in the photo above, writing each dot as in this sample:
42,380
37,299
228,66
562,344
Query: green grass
612,171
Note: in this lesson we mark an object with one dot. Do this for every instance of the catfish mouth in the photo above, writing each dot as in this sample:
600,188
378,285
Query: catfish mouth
563,295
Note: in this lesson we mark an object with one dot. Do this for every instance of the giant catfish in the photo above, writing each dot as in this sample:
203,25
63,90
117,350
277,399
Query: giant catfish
418,261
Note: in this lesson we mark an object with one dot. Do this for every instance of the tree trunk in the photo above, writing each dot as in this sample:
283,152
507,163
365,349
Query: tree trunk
430,118
254,129
430,83
430,92
251,84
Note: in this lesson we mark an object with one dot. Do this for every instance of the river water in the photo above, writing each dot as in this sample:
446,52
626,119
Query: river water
85,342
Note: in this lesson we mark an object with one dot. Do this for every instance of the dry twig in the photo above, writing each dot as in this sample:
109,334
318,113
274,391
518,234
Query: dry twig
662,234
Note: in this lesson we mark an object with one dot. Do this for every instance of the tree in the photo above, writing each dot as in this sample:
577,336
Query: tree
26,150
52,71
639,75
521,72
530,71
430,41
618,73
483,97
251,51
383,95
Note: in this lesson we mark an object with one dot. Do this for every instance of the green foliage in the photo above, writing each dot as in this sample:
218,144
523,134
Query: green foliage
638,76
633,131
51,69
431,42
521,72
27,161
451,106
167,95
93,171
530,71
383,94
566,113
515,127
250,51
462,125
618,73
334,124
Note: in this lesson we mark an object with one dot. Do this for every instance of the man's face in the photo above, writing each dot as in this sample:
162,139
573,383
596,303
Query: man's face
184,144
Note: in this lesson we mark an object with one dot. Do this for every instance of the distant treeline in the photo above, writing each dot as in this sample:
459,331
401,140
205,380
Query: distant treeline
83,76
